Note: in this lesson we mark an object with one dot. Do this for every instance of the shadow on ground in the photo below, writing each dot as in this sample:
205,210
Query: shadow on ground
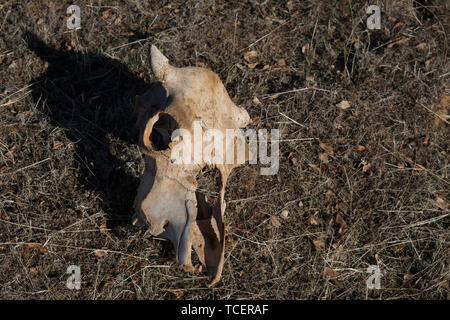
90,97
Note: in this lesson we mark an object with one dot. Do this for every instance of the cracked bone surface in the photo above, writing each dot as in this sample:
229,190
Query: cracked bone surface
168,199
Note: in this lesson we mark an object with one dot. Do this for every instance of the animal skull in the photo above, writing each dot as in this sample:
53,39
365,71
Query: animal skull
167,197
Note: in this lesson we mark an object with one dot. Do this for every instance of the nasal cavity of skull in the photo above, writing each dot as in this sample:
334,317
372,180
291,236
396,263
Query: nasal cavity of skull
162,131
209,183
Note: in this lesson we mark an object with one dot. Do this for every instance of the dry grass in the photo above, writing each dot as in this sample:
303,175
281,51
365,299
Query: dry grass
365,185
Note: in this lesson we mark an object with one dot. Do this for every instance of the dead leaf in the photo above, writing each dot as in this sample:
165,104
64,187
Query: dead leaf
118,21
337,246
240,66
360,148
313,221
398,247
310,82
177,292
104,227
320,245
338,126
290,5
101,252
252,65
445,102
274,96
442,203
415,165
401,41
34,270
366,166
12,151
305,48
392,19
284,214
256,100
250,55
323,157
342,206
421,46
344,104
429,61
37,246
442,112
57,145
251,175
265,67
282,62
106,13
70,44
294,161
330,273
12,65
275,222
407,277
341,223
327,149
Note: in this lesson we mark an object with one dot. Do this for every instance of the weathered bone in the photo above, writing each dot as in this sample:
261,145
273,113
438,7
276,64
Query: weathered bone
167,197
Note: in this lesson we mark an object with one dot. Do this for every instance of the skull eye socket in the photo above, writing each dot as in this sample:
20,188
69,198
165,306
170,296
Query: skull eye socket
162,132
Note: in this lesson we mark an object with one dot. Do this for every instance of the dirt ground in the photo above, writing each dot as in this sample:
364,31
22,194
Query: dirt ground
364,151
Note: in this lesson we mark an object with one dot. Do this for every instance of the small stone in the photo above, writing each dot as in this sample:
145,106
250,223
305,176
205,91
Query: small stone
275,222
